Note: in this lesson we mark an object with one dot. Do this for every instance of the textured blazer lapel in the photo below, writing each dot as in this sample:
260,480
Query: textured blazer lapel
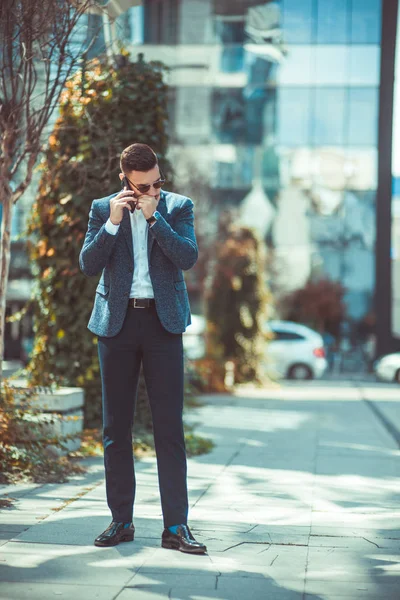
127,229
162,209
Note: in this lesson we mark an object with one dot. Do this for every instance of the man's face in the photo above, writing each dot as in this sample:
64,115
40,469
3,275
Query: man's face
137,179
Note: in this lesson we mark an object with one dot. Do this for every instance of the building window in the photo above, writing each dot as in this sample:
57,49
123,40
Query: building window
294,116
225,175
136,24
298,21
366,21
160,21
332,21
241,116
229,31
229,115
362,126
331,65
328,117
231,35
234,171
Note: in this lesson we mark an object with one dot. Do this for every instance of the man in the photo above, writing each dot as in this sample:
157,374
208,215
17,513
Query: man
140,240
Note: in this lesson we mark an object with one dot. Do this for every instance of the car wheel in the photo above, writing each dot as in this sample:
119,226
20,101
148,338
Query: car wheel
300,372
397,376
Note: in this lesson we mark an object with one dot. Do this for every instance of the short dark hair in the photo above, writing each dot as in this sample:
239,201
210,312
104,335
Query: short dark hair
138,157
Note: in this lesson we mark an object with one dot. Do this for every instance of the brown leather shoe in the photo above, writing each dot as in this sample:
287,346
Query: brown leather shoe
183,540
114,534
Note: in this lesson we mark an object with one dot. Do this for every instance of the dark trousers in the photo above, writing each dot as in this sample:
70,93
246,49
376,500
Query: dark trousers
143,339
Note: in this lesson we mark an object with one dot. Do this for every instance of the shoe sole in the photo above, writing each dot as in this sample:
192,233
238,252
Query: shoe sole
125,538
172,546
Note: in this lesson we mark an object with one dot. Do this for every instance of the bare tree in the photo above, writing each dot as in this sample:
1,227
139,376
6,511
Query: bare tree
39,48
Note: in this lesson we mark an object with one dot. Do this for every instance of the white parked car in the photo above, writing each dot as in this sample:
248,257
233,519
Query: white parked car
387,368
295,351
193,339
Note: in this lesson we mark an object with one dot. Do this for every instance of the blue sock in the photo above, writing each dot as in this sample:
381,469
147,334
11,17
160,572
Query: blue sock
126,525
173,529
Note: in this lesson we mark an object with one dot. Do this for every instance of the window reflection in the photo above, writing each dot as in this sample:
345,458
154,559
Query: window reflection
263,23
163,16
241,116
331,65
334,169
230,32
298,21
364,65
233,168
298,66
332,19
259,70
255,104
294,116
365,21
193,121
231,35
363,116
224,175
229,115
328,116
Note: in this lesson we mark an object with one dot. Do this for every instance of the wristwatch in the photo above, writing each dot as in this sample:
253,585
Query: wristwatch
151,220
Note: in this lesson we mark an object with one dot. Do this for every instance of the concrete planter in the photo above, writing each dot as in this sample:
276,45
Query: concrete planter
10,367
62,409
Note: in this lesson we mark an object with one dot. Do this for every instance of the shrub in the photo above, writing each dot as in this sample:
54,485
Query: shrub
319,304
26,448
237,304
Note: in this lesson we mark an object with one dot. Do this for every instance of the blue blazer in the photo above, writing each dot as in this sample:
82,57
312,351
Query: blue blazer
172,247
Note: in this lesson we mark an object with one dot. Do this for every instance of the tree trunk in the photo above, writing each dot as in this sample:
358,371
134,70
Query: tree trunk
5,255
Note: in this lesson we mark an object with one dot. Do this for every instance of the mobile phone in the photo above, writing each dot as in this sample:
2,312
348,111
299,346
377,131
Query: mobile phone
132,203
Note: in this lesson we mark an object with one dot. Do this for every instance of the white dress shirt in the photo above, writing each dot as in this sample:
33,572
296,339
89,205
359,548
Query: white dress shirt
141,283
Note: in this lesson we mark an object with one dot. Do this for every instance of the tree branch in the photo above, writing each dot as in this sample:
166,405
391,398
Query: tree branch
34,36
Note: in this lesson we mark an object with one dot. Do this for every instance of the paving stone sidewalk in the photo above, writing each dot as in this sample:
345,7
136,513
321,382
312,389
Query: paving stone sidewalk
299,500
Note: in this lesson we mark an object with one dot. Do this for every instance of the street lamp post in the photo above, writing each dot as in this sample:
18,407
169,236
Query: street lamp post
383,277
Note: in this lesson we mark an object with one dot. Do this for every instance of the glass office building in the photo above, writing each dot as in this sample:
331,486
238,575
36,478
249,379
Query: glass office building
274,105
273,112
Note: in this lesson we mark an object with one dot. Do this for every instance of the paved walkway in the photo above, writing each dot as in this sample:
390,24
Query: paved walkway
298,501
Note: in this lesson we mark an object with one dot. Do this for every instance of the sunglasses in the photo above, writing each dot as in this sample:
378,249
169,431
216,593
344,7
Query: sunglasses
143,189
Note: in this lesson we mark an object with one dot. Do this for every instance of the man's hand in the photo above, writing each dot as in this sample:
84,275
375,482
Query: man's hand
148,204
118,203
